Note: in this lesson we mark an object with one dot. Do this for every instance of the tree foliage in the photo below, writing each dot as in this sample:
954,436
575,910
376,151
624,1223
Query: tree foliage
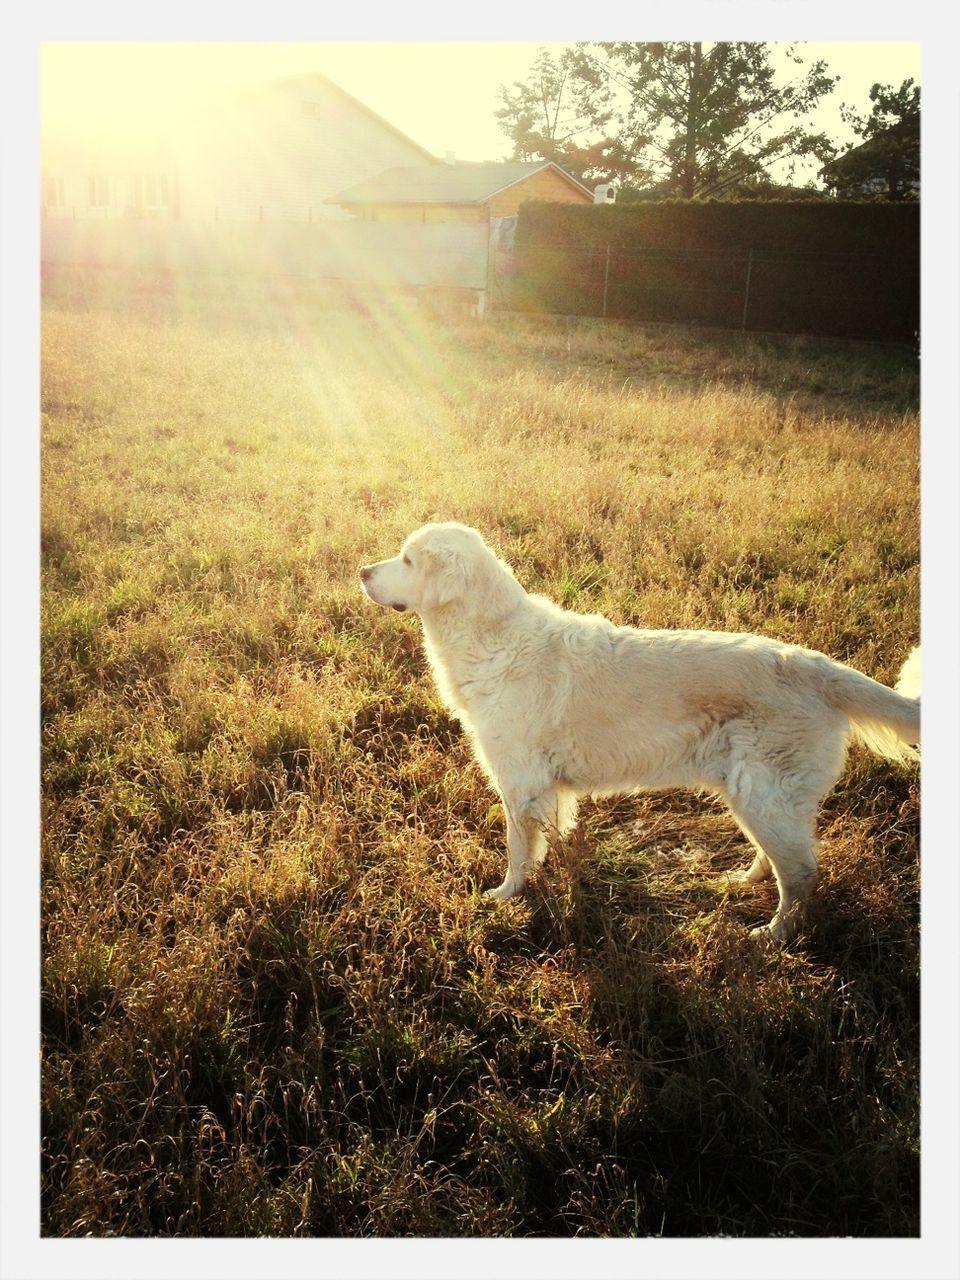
691,119
561,112
887,161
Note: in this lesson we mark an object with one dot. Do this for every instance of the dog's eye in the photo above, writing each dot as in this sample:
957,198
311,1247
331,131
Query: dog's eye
406,560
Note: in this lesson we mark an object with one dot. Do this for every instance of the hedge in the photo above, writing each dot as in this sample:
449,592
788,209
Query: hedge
846,269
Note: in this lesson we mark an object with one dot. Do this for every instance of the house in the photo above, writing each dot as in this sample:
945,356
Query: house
121,176
272,152
885,166
244,188
278,151
459,191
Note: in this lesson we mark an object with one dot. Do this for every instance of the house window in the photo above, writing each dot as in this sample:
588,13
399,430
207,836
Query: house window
151,191
312,110
98,191
53,192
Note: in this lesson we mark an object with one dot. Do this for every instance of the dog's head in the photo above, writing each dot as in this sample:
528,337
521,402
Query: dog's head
442,566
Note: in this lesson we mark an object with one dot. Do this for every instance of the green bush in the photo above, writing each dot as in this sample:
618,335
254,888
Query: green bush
843,269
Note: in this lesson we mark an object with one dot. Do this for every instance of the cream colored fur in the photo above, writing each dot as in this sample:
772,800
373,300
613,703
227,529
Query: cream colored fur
560,705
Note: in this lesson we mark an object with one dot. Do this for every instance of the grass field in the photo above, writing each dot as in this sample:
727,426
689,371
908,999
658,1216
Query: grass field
273,1001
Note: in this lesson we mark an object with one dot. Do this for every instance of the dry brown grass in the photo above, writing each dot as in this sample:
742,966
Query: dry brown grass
272,1001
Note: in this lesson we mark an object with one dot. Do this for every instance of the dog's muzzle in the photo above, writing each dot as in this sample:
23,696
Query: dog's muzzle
366,573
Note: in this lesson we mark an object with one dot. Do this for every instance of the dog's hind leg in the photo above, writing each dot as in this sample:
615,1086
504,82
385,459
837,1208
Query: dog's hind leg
781,828
789,848
774,792
758,870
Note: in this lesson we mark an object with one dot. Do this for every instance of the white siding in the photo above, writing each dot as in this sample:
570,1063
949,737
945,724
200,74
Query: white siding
281,148
284,150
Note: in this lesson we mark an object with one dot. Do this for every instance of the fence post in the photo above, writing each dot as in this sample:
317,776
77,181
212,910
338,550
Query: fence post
606,281
746,289
488,274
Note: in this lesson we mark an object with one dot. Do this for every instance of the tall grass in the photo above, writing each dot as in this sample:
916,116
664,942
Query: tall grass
273,1002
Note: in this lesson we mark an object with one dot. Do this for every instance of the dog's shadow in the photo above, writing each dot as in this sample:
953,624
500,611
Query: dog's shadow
641,875
647,867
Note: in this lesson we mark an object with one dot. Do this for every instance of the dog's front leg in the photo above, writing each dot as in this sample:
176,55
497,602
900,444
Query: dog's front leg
525,847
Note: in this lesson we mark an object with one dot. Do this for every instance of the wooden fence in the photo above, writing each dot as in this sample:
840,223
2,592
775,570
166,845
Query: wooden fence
364,253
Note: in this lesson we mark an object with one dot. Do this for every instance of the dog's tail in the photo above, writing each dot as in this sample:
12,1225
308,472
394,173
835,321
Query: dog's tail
885,720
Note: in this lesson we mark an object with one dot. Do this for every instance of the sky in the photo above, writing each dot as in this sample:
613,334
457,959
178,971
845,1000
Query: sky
443,95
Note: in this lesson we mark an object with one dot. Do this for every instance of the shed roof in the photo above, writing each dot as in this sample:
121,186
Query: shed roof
460,182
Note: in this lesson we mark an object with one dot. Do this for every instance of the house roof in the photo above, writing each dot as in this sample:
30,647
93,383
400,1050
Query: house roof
128,144
461,182
907,132
313,81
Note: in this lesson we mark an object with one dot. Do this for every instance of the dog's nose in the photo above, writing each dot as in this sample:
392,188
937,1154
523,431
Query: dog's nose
365,573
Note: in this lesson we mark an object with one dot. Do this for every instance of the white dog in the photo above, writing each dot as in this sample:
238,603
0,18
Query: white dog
561,705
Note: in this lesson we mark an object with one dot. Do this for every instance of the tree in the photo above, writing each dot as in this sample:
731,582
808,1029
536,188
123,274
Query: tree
693,119
561,113
887,162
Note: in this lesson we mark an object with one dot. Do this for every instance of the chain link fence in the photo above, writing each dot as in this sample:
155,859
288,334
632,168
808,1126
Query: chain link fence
873,296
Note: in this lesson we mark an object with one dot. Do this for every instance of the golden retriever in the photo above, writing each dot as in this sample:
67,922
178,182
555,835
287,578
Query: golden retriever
561,705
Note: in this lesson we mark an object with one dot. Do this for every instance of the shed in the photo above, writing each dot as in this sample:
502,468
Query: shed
459,191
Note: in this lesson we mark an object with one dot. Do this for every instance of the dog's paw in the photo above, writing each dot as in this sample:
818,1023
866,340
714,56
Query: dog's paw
776,933
737,879
503,891
764,935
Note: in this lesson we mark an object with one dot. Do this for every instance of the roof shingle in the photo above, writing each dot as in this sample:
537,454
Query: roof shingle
462,182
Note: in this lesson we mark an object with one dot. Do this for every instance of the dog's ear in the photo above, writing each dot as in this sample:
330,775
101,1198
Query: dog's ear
446,576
